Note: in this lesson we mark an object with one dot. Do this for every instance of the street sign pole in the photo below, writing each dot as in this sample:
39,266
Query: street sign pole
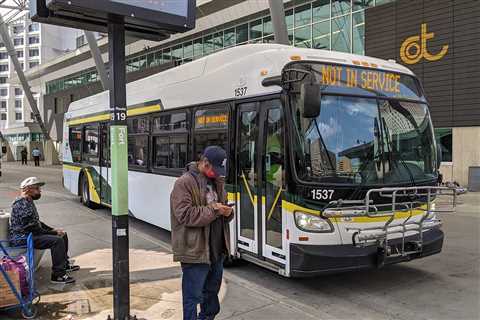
155,20
118,143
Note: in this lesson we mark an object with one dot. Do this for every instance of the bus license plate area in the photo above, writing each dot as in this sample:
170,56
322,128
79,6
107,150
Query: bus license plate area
398,252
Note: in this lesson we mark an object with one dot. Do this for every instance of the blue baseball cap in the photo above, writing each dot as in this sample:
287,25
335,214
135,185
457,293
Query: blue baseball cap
217,158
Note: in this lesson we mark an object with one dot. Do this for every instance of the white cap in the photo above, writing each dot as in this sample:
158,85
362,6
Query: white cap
32,181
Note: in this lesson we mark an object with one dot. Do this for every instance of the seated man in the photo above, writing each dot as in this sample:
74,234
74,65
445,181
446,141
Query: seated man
24,220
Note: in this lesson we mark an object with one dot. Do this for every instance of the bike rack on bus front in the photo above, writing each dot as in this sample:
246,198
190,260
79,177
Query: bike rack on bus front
406,202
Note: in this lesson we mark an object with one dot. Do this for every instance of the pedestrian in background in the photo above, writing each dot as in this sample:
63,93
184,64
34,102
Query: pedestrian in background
24,154
200,232
36,156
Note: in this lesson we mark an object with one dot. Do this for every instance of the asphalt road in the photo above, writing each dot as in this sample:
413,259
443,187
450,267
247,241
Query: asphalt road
444,286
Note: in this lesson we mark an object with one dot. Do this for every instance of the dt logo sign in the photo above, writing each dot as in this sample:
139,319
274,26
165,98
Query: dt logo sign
414,48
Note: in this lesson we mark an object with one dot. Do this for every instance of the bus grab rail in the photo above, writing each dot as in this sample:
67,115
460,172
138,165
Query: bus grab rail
407,201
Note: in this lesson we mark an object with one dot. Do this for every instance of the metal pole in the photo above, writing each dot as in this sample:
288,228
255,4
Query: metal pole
97,57
118,142
277,13
21,76
13,7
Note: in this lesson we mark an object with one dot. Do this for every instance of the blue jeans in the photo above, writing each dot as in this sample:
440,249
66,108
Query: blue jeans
200,285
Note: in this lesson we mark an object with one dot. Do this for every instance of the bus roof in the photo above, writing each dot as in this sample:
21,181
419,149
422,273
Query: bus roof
215,77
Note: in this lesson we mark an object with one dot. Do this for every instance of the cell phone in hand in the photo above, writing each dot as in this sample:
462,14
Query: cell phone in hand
231,204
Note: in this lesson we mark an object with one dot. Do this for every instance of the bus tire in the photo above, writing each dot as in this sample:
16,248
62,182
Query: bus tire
85,193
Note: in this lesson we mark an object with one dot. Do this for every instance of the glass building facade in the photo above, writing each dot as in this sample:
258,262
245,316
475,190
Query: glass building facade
337,25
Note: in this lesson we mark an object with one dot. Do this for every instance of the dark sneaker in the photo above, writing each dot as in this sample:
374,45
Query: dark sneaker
65,279
72,268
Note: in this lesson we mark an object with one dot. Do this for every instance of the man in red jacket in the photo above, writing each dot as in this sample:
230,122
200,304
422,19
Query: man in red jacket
200,232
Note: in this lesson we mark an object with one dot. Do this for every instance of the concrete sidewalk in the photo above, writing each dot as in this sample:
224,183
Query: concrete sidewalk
155,279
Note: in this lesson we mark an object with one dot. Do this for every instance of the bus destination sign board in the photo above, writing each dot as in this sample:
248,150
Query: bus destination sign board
367,81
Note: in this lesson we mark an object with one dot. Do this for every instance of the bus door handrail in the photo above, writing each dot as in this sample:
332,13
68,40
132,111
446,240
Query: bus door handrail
250,195
274,204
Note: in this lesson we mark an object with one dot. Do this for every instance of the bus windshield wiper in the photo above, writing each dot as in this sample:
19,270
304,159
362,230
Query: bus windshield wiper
367,176
402,160
332,166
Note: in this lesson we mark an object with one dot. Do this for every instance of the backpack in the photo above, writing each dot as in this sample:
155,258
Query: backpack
18,264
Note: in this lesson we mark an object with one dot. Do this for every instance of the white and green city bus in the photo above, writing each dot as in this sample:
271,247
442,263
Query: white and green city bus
332,158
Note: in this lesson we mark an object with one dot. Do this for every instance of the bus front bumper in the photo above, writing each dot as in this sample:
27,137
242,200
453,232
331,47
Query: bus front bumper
311,260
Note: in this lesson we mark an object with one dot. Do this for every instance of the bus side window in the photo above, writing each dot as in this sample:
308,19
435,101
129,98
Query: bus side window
75,142
210,129
90,143
105,145
138,131
170,141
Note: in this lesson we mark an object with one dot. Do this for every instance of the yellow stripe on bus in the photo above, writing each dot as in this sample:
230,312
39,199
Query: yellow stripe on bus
101,117
106,116
73,168
398,215
231,196
292,207
143,110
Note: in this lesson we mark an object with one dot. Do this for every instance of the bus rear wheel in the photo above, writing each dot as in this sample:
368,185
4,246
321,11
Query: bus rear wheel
85,193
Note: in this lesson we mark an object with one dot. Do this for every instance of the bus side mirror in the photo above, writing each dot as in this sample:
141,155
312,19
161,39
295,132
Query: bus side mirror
272,81
311,98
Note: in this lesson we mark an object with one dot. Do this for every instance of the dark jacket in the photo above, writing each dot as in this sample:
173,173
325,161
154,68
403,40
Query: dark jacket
24,219
191,217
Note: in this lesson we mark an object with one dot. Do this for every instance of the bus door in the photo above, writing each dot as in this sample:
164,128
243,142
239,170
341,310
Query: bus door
105,191
260,179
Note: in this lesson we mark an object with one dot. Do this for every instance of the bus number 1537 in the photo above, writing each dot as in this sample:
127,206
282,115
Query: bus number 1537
322,194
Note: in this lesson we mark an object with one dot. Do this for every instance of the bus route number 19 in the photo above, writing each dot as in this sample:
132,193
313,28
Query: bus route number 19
118,116
322,194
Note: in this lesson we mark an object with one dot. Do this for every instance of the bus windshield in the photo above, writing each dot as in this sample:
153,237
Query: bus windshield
363,140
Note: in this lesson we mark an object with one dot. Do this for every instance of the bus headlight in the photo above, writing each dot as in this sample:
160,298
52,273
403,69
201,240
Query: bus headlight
311,223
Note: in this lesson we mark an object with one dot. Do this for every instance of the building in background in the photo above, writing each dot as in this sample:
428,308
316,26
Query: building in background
321,24
371,27
34,44
439,41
